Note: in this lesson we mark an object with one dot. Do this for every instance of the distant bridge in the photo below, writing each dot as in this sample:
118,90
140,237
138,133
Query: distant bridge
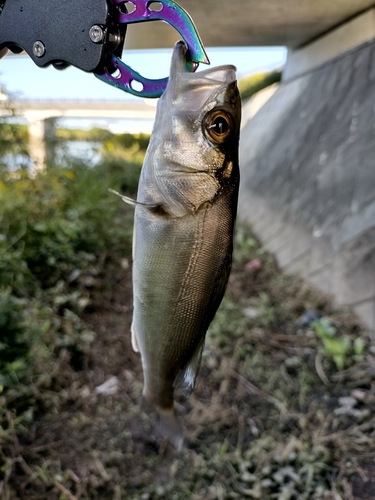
137,109
41,115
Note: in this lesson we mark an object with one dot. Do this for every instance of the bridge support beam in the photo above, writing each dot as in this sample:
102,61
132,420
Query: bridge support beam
37,147
41,141
41,116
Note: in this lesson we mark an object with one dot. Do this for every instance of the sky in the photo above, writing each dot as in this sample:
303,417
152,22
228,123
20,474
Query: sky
23,79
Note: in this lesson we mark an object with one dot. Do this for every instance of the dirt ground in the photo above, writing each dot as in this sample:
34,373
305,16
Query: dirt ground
271,417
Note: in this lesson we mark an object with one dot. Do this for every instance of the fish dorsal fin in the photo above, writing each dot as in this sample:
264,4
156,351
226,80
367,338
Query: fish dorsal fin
186,377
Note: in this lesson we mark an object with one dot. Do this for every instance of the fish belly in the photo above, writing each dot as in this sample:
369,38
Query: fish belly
181,267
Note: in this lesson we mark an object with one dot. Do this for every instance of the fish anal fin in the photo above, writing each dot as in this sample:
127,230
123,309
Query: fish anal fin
185,380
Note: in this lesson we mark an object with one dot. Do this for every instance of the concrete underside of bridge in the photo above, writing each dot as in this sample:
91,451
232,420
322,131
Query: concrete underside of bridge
252,22
308,169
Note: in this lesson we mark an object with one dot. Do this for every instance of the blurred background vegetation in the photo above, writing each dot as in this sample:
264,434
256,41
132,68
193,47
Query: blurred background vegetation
55,227
250,85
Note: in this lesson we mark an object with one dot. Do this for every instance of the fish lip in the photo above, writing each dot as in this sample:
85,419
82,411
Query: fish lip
225,74
181,45
181,48
223,67
179,64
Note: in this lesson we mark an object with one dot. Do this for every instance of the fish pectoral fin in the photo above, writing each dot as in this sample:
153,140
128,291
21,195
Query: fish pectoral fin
185,380
135,203
134,340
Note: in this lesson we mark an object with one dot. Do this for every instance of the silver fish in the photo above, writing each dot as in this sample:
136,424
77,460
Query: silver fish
183,228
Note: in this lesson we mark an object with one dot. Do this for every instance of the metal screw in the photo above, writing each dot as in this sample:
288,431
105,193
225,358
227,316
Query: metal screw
96,34
39,49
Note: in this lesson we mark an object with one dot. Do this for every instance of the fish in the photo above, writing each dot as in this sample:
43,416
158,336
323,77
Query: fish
183,229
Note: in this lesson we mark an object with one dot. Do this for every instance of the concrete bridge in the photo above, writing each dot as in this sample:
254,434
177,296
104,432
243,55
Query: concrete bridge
41,115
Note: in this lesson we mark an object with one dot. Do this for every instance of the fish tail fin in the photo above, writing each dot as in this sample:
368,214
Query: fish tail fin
170,427
167,424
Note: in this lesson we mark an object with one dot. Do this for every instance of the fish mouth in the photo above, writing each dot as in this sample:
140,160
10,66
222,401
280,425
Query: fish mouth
199,85
224,74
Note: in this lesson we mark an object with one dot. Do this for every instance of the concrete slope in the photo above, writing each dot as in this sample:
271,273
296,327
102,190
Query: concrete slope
308,178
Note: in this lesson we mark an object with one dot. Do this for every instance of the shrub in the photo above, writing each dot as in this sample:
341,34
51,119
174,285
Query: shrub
52,226
252,84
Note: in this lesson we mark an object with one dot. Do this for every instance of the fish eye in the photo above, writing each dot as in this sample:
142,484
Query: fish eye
217,126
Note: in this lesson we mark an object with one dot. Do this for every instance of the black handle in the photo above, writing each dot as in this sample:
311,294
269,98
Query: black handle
61,32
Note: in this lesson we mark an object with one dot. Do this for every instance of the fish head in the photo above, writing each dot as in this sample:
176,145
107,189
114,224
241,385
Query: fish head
204,110
193,150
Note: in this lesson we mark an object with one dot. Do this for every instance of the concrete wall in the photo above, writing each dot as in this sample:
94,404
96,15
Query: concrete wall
308,178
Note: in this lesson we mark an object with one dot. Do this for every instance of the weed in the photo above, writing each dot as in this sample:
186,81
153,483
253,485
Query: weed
334,346
228,324
267,311
244,244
